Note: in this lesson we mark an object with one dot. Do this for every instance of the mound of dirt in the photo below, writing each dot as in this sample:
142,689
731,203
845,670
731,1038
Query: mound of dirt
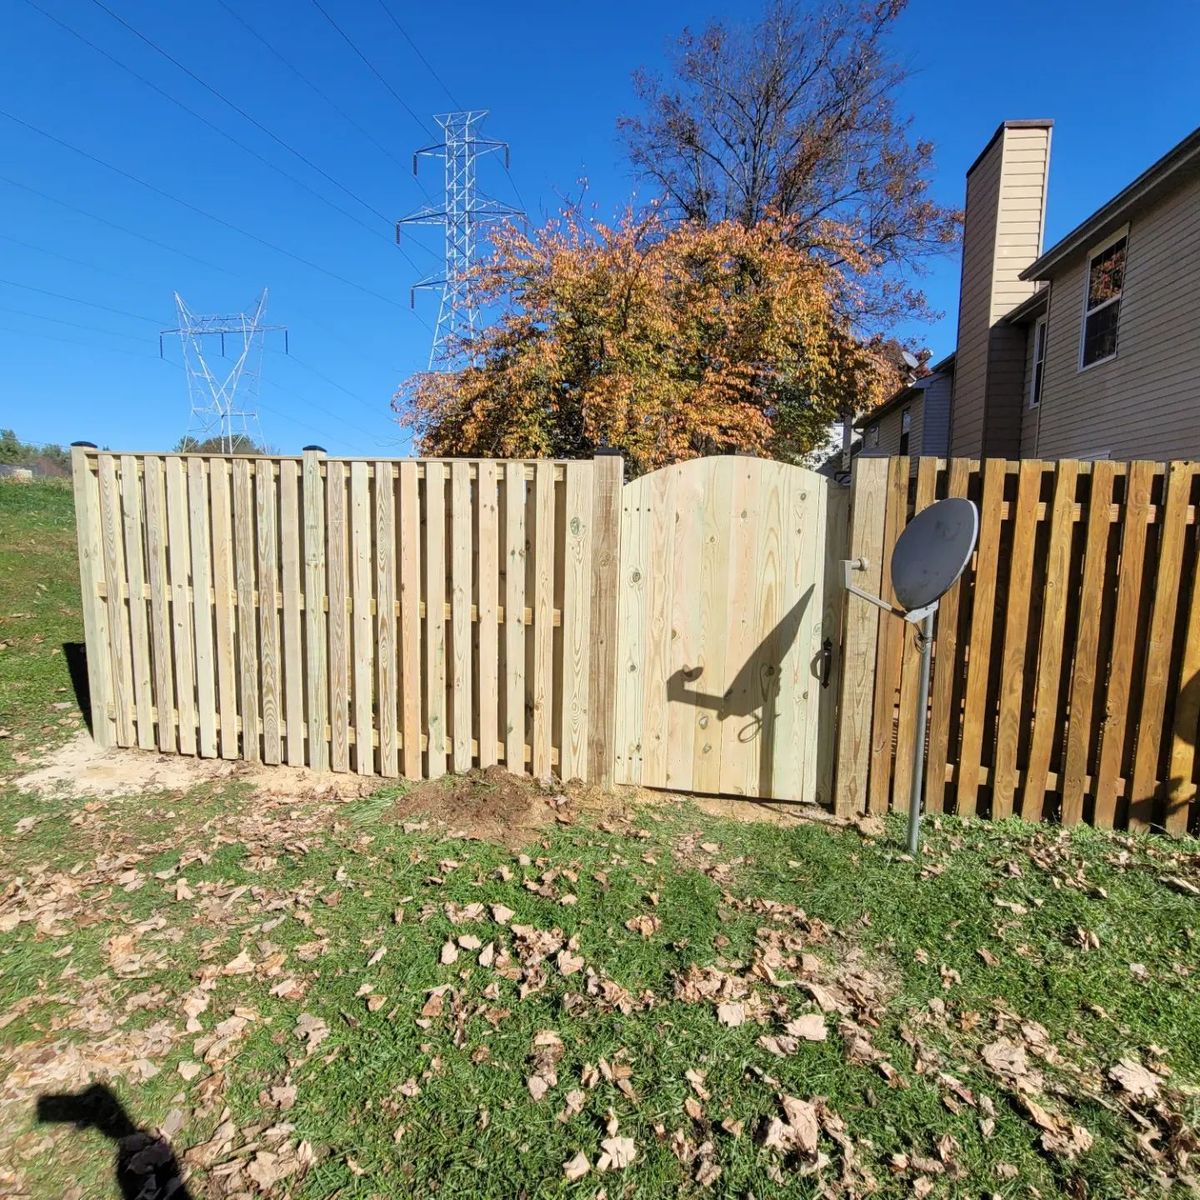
489,806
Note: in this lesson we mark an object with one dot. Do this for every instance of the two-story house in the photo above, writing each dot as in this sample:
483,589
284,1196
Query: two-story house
1090,349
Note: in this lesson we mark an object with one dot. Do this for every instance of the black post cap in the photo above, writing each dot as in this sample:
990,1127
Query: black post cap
85,445
318,449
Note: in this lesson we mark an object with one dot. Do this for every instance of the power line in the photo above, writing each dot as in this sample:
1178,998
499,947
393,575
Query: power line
238,109
373,231
120,312
417,51
368,64
21,312
207,215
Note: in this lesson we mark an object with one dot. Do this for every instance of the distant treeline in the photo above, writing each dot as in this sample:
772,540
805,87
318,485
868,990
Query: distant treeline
42,460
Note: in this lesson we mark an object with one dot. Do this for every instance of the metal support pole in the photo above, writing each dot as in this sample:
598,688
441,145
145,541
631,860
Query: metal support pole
918,766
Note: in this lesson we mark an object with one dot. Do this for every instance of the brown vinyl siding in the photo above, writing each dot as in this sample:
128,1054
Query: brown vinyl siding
935,416
1145,403
1029,416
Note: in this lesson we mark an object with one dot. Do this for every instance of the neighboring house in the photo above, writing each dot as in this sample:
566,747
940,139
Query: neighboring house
1090,349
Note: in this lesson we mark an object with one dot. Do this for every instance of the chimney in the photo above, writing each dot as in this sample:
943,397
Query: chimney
1002,235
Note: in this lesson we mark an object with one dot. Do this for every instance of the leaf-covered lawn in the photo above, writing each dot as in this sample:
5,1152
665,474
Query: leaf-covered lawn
294,992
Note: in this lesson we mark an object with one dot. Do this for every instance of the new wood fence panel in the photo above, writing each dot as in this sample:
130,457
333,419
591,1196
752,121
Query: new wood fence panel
410,618
316,654
363,656
1129,598
139,626
386,661
683,620
291,549
488,603
245,559
543,618
631,619
1180,783
1143,796
514,607
182,626
95,615
224,604
160,603
461,659
1016,629
607,474
337,559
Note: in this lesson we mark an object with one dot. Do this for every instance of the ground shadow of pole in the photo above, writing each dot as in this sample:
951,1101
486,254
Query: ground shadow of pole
753,691
75,654
146,1167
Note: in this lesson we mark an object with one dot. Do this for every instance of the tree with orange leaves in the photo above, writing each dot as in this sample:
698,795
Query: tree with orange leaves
665,341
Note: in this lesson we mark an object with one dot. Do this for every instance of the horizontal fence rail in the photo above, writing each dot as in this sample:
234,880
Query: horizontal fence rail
392,617
1066,679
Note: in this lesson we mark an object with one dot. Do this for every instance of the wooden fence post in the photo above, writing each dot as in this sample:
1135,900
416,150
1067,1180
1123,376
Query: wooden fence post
607,480
91,569
861,631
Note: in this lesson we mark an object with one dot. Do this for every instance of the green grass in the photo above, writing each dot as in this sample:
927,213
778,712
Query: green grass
1101,951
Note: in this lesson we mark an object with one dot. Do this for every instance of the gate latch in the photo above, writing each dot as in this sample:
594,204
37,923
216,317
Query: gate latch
826,662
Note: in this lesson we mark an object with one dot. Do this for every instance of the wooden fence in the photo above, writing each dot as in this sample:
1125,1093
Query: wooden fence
393,617
1067,663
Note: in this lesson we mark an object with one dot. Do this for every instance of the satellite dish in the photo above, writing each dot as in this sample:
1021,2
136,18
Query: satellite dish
910,359
933,551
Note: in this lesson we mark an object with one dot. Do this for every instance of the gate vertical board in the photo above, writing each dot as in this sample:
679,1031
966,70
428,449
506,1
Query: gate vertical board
722,602
143,687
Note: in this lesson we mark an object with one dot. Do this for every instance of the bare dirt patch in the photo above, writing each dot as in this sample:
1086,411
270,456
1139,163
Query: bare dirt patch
489,805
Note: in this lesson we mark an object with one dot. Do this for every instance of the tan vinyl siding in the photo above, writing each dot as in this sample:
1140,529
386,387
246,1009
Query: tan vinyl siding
889,431
1145,403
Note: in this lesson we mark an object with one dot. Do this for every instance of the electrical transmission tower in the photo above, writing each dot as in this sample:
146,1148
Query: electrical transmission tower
223,402
464,213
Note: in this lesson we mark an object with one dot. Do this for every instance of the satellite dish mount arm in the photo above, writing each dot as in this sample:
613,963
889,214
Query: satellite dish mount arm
914,616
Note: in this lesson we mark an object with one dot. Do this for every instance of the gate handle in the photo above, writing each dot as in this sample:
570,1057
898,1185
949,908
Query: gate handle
826,662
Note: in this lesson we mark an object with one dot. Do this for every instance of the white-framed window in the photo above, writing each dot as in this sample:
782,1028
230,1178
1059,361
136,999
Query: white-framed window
1104,285
905,429
1039,362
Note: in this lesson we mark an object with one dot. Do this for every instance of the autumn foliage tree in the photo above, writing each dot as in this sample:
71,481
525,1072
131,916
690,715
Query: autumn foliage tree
663,340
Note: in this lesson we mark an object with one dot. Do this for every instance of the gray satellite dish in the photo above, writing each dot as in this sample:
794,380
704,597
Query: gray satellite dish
933,551
927,560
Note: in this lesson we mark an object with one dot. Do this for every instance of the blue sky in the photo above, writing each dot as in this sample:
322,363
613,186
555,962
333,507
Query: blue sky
1119,84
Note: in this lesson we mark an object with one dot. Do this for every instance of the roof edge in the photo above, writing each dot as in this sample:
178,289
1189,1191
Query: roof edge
1032,123
1152,177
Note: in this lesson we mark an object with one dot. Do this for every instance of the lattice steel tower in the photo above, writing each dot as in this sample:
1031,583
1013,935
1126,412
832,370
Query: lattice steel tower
223,403
465,212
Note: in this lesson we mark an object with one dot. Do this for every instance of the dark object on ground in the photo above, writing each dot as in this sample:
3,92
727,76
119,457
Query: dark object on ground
146,1166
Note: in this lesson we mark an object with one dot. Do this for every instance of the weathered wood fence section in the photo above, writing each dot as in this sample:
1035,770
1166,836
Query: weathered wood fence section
1067,663
398,617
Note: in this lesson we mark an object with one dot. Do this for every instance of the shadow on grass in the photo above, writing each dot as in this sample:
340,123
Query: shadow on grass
146,1167
75,654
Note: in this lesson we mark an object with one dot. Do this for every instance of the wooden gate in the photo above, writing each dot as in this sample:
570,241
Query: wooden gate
728,618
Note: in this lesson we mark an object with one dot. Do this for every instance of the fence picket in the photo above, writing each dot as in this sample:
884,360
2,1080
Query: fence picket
225,646
1143,793
1129,595
268,611
980,637
112,533
290,551
160,603
943,723
1180,783
435,618
410,618
1012,659
385,617
245,559
142,665
460,657
576,620
198,532
179,557
1046,712
315,644
543,618
514,605
336,559
364,632
488,602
